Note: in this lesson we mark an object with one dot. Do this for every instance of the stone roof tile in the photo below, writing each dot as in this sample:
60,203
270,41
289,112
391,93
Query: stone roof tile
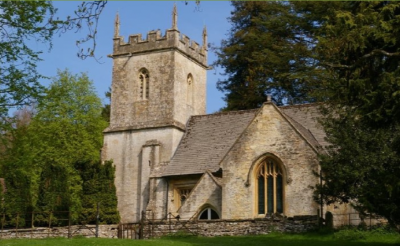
209,137
206,141
305,118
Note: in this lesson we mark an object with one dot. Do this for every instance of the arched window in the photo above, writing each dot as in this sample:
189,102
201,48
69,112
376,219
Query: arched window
269,187
189,93
144,83
208,214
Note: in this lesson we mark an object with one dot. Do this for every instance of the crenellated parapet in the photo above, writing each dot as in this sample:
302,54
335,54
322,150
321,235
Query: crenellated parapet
172,40
155,42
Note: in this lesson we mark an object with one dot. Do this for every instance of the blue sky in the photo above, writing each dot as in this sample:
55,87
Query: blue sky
138,17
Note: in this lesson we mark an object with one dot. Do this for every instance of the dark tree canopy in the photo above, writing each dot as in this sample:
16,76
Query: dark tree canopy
345,54
270,50
360,51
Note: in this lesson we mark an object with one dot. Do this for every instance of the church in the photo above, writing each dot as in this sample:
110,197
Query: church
173,158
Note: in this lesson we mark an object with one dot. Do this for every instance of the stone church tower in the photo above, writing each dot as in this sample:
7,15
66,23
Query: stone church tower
157,84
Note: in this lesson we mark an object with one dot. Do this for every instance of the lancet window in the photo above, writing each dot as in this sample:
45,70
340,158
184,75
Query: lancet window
144,81
189,95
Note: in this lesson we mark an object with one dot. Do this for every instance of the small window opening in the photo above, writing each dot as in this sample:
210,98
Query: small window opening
189,93
208,214
184,194
144,84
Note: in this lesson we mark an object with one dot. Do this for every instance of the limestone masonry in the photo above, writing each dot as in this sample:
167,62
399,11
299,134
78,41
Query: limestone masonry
173,159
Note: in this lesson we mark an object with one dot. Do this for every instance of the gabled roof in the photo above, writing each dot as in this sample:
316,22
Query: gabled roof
206,141
209,137
304,118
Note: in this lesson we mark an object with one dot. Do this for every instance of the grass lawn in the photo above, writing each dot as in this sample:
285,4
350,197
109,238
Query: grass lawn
274,239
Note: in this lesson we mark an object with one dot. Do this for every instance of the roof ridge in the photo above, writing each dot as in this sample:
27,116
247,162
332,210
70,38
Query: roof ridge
301,105
225,113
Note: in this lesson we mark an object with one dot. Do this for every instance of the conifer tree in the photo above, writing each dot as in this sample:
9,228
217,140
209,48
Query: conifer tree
361,52
270,50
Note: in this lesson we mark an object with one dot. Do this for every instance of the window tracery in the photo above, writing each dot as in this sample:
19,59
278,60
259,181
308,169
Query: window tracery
208,214
269,187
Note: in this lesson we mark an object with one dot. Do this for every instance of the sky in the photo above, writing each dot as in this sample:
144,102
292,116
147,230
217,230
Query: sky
138,17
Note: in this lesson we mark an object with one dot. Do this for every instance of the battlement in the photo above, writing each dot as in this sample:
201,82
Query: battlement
154,41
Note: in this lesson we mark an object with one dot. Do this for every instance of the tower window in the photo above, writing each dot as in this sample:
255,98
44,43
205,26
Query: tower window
144,80
189,93
269,187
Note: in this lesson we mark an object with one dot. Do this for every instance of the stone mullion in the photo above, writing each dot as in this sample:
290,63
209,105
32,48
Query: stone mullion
265,187
274,181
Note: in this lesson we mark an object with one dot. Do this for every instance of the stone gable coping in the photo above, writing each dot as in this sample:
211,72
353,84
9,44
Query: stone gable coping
305,117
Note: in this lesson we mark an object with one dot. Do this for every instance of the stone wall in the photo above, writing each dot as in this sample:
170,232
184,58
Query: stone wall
210,228
105,231
133,162
155,229
269,135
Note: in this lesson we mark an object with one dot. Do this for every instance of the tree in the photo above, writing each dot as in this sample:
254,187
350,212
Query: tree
345,54
21,21
41,169
270,50
98,190
106,110
360,51
69,130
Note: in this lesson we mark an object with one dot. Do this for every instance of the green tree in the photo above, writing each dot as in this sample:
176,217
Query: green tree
21,21
270,50
17,167
360,50
98,191
345,54
40,166
68,127
106,110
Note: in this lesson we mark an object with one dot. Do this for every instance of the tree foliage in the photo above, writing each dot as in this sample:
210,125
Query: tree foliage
345,54
106,110
51,161
360,52
270,50
24,21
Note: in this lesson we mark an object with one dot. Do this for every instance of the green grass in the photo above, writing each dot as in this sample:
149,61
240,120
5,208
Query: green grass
274,239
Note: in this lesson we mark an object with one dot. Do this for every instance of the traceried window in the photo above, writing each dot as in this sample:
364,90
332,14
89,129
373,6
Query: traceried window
144,82
183,195
208,214
269,187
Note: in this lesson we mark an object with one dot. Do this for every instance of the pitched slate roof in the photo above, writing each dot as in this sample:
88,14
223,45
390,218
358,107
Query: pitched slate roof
206,141
209,137
304,118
